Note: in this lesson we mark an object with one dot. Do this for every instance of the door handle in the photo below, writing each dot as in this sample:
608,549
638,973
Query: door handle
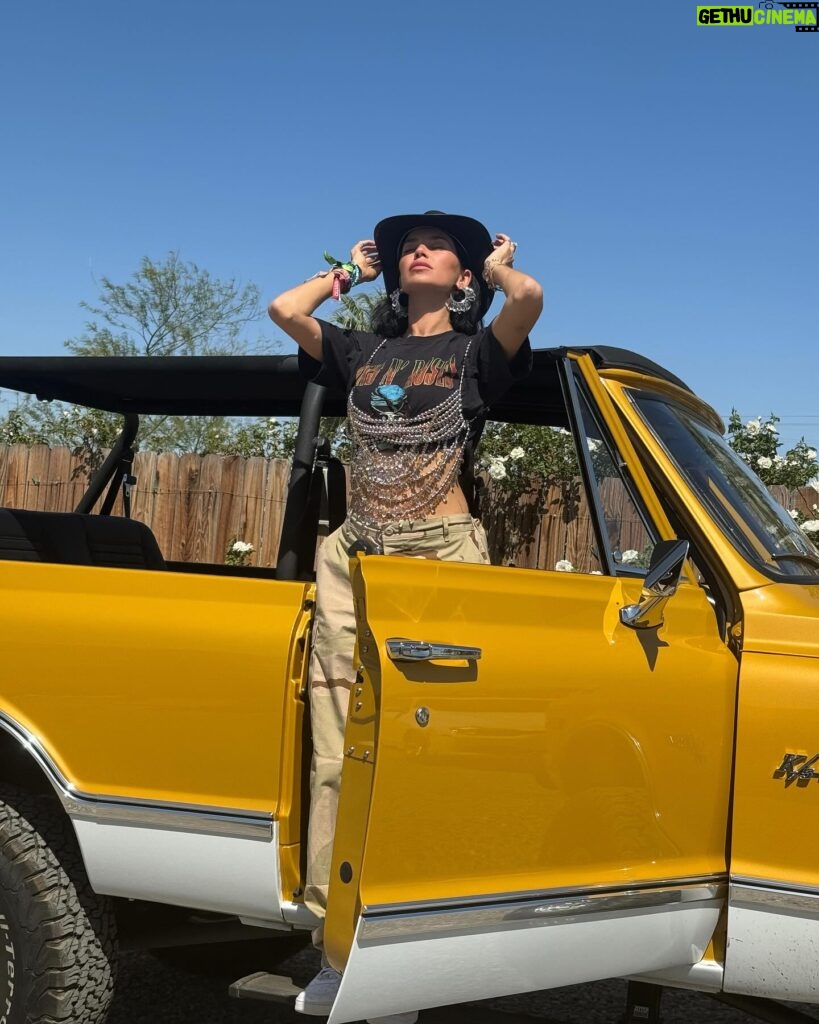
400,649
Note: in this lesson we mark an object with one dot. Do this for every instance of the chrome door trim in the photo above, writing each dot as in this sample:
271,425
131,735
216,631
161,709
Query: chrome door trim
408,920
211,820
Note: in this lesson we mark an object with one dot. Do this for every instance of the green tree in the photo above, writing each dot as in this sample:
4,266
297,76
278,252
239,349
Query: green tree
355,311
167,308
170,308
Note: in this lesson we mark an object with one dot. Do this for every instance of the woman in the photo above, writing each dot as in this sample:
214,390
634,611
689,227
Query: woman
418,390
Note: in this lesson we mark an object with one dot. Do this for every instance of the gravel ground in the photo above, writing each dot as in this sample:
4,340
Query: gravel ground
151,992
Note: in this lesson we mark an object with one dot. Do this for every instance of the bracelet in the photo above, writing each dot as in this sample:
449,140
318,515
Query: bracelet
342,282
352,269
489,272
345,275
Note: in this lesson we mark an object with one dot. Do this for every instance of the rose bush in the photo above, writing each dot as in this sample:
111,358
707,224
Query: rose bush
757,442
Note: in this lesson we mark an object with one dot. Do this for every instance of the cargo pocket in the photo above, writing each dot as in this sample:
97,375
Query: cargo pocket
477,539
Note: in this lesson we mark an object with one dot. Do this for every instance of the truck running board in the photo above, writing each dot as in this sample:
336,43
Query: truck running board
275,988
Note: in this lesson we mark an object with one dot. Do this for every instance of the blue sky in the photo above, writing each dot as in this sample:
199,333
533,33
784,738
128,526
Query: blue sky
659,177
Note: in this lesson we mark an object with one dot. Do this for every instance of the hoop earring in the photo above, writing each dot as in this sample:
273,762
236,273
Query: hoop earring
399,307
460,300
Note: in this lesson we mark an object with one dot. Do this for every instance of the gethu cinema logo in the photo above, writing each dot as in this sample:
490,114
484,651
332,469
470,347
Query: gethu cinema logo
803,16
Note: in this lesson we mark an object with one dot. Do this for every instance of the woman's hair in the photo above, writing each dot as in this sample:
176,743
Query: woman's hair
385,322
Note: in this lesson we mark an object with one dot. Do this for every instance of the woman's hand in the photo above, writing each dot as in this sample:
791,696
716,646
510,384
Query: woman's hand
503,254
365,255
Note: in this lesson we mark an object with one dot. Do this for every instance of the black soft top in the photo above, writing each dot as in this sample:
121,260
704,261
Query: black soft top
254,385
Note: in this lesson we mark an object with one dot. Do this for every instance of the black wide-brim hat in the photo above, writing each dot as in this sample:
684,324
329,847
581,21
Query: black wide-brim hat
472,240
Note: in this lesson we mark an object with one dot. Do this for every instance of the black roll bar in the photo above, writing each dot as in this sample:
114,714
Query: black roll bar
107,471
292,557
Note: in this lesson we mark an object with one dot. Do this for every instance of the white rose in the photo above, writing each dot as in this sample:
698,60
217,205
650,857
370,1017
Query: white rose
753,427
630,556
764,462
811,453
564,565
497,470
517,453
771,428
811,526
242,547
793,513
779,460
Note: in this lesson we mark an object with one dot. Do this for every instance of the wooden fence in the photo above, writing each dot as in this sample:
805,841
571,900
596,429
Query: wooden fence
194,505
197,505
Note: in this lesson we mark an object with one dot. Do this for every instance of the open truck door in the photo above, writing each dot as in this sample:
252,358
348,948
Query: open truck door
535,790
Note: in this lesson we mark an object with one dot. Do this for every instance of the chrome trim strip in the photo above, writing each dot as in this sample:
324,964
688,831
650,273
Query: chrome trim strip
173,817
455,902
223,821
770,895
413,919
769,883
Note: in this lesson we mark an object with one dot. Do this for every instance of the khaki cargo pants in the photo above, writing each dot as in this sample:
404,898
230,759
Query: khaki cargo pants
450,538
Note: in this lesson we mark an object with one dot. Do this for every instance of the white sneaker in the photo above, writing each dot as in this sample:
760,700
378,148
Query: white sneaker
410,1017
318,998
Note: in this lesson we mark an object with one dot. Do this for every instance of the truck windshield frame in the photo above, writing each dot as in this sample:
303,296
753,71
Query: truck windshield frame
734,496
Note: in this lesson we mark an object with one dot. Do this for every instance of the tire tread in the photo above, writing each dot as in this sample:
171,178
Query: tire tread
71,958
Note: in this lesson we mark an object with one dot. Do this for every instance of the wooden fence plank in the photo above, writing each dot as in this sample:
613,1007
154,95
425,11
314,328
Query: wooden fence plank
166,504
16,478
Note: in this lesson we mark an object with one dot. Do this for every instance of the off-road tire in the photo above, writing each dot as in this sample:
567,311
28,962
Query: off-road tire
57,937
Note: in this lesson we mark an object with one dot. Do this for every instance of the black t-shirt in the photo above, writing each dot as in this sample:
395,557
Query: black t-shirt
397,377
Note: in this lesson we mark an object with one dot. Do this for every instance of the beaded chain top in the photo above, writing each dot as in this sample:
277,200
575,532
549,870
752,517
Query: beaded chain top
403,465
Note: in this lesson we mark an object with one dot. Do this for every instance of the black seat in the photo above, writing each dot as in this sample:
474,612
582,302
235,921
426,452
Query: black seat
75,539
121,543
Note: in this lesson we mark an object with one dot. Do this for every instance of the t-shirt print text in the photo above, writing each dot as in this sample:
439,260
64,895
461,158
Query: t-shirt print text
435,372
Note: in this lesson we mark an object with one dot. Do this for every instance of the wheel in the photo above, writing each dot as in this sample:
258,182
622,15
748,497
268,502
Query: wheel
57,937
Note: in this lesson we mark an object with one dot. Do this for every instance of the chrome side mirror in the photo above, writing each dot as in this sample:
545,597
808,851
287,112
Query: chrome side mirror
661,582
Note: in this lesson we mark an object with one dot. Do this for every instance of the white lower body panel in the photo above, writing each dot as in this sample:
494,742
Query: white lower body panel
224,874
393,975
773,943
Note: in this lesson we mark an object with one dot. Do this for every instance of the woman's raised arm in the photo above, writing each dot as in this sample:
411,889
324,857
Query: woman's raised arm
523,301
293,310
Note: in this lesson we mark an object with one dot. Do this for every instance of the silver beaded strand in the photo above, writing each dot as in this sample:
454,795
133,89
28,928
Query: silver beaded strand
403,468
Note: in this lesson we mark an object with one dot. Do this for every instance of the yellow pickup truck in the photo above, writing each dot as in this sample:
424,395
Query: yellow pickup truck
551,777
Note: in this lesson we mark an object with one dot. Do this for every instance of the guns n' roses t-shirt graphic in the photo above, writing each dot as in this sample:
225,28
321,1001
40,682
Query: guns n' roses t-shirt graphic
388,399
396,378
406,376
